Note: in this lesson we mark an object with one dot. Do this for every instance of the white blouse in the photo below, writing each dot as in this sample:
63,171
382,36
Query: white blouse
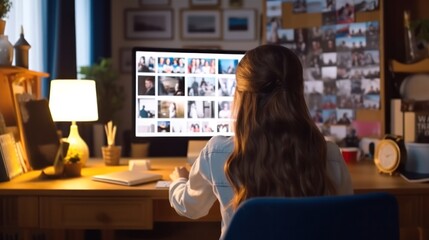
207,182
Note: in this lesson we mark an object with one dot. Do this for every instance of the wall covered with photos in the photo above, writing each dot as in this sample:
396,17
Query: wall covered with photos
340,54
217,24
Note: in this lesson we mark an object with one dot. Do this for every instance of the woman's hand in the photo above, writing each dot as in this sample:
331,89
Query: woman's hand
179,172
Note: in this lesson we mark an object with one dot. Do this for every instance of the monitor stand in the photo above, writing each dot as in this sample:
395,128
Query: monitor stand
194,149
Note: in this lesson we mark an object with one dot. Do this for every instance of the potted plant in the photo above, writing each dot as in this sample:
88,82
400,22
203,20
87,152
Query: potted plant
5,6
420,28
72,164
110,95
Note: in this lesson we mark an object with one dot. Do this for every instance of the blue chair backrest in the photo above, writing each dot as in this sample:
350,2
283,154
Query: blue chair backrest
371,216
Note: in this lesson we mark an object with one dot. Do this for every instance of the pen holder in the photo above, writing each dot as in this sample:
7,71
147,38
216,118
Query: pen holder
111,155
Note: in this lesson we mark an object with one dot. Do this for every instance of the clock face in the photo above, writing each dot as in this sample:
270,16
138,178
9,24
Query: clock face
387,156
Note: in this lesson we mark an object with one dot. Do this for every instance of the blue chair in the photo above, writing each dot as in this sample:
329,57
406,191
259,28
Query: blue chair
371,216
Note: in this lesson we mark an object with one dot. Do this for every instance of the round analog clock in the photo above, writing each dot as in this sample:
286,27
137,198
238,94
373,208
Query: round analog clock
389,153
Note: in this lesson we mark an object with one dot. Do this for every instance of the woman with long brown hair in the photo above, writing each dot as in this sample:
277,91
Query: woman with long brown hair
277,150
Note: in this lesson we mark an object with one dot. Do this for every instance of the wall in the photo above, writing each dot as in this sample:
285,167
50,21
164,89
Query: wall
338,87
119,42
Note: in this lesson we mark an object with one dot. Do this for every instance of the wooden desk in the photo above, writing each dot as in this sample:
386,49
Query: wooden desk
30,203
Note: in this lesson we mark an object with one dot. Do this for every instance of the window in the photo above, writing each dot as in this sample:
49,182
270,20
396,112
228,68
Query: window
29,16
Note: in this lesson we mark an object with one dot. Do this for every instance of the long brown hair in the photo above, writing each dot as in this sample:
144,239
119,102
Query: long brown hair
278,150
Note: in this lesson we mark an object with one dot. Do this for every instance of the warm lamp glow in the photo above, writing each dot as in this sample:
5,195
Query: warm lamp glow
73,100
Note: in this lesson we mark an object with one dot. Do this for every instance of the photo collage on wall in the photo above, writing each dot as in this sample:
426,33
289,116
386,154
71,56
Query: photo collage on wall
341,58
179,93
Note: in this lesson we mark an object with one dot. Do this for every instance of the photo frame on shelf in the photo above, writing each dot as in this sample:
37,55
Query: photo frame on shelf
235,3
204,3
201,24
148,24
125,60
154,3
239,24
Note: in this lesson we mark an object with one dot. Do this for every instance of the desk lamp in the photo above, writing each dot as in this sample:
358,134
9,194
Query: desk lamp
73,100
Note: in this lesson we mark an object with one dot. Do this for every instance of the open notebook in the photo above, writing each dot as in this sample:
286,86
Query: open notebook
129,178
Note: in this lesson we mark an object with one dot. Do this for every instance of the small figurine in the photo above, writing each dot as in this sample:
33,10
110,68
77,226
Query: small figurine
21,51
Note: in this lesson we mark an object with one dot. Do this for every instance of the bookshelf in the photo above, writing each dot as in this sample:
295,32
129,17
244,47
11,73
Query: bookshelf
417,67
13,81
17,80
415,114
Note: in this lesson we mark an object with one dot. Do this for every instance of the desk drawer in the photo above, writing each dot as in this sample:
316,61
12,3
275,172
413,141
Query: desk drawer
19,211
95,213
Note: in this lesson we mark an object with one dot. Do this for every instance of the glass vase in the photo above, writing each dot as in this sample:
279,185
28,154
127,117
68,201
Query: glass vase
6,51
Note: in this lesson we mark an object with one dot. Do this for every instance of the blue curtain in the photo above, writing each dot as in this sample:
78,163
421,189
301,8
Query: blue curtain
60,46
59,32
100,39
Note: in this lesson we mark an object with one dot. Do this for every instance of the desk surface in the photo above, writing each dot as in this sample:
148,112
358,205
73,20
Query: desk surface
365,178
32,183
81,203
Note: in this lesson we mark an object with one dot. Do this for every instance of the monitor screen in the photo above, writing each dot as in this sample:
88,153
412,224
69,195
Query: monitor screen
183,93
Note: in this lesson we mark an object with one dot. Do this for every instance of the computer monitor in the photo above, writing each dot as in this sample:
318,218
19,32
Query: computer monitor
182,93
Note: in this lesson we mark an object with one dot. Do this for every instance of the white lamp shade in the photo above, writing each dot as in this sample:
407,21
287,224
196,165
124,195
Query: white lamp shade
73,100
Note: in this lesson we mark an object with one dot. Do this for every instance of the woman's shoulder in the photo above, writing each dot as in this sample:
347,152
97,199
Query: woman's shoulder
331,145
337,169
220,144
333,151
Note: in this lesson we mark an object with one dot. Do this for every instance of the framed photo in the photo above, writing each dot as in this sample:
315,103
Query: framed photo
148,24
235,3
201,24
154,2
204,3
239,24
125,60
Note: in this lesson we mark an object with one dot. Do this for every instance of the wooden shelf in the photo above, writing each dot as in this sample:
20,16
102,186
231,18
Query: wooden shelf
417,67
13,78
23,71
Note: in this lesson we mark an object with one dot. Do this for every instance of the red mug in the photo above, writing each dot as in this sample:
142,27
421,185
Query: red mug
350,154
